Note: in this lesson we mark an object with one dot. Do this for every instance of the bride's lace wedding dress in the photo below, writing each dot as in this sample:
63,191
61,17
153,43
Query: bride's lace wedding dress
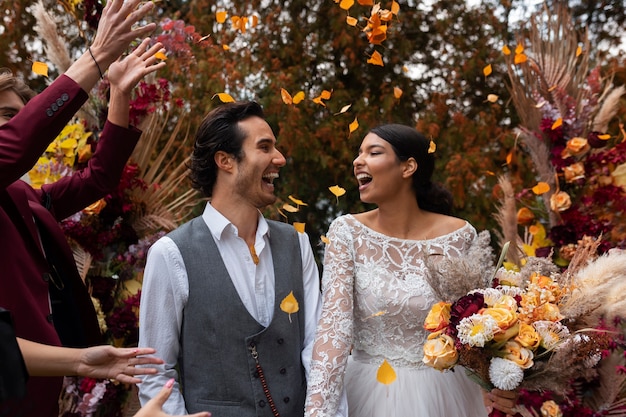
375,301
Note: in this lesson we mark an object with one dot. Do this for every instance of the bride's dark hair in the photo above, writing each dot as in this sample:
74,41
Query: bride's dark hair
406,143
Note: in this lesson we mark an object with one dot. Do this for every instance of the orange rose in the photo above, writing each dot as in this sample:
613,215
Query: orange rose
560,201
576,147
438,317
574,172
551,409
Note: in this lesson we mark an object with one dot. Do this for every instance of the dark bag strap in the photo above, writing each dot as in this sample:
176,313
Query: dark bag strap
13,374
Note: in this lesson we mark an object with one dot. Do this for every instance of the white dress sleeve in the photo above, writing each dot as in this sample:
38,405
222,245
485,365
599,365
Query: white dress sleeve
333,338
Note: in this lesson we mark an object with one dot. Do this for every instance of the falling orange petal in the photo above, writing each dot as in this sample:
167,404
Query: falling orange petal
324,239
40,68
287,99
160,55
520,58
224,97
541,188
604,137
221,16
397,92
487,70
354,125
432,147
579,51
492,98
299,227
352,21
376,59
395,7
506,50
365,2
385,375
346,4
519,48
337,191
225,47
557,123
255,21
509,157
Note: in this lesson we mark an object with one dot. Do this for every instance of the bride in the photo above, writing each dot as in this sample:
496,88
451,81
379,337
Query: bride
376,296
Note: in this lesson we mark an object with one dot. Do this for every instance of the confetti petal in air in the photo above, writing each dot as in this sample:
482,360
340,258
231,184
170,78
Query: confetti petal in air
40,68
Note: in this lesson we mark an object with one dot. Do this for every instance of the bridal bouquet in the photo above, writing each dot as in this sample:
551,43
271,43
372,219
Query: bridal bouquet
533,328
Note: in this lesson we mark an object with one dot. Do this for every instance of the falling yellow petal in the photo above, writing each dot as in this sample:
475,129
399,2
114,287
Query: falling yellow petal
221,16
225,47
297,201
604,137
397,92
354,125
324,239
40,68
299,226
289,305
298,97
541,188
351,21
290,208
487,70
160,55
492,98
224,97
519,48
385,375
579,51
343,109
337,190
432,147
557,123
506,50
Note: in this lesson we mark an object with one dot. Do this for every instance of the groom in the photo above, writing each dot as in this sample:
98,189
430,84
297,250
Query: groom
212,289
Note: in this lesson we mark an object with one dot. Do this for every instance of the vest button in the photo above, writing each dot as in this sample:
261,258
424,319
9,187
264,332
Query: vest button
49,318
280,341
283,371
46,276
286,399
261,403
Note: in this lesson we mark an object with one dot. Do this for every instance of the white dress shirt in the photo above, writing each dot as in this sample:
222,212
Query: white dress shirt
165,293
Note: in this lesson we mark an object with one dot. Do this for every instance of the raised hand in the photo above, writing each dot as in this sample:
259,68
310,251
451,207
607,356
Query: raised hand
126,73
108,362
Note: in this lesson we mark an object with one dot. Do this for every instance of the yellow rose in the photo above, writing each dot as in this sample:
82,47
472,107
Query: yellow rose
560,201
576,147
503,316
439,352
527,336
518,354
550,409
574,172
438,317
508,302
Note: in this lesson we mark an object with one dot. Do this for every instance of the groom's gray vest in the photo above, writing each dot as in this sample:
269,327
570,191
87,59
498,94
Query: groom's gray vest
218,372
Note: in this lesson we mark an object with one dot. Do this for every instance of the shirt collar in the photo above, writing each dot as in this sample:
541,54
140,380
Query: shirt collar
218,224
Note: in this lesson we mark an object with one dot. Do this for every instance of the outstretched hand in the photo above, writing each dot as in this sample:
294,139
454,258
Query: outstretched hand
108,362
116,29
154,407
502,401
127,72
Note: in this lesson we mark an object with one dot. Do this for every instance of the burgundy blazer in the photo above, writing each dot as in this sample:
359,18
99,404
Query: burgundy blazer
25,276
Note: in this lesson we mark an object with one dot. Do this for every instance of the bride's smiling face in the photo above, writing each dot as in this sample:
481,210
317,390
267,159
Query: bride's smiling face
377,170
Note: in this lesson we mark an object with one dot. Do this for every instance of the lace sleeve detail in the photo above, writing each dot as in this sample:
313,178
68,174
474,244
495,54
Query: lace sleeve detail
333,339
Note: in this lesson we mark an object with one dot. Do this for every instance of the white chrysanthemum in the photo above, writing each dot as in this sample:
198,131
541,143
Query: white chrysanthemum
505,374
476,330
507,277
491,295
510,291
551,333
